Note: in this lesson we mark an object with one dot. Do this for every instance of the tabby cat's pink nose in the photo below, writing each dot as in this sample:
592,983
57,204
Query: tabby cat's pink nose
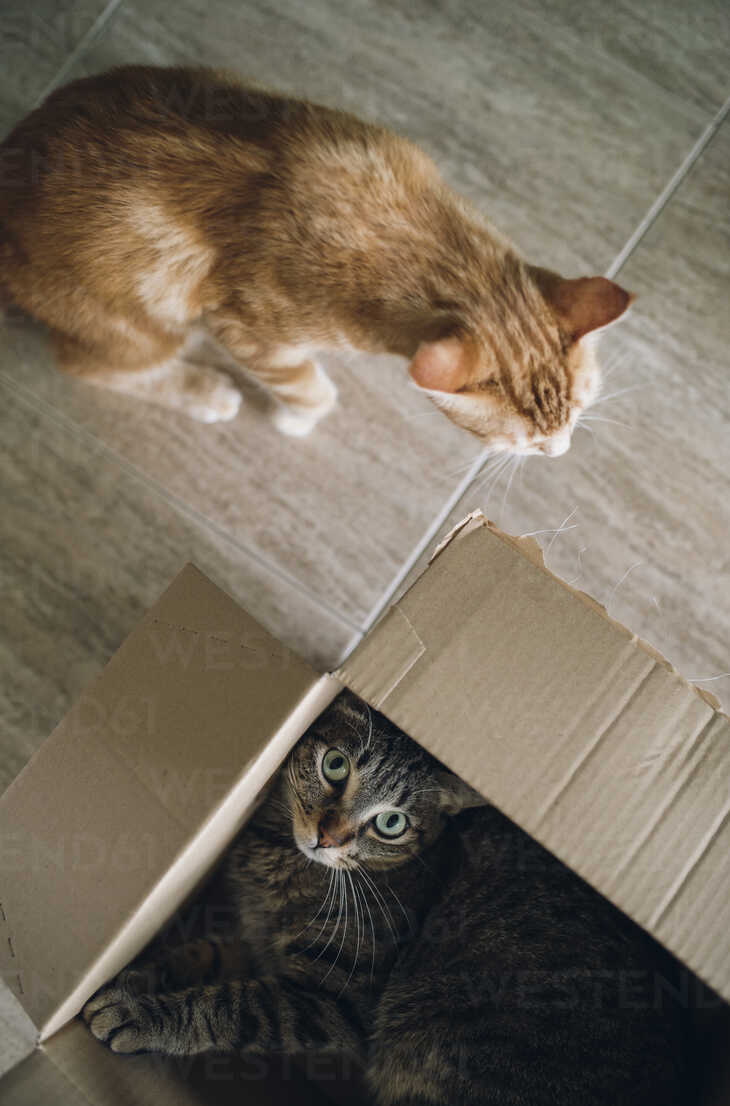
325,840
331,833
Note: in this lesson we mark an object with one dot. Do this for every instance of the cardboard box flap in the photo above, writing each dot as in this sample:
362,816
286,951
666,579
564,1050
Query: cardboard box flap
121,796
573,727
72,1069
36,1081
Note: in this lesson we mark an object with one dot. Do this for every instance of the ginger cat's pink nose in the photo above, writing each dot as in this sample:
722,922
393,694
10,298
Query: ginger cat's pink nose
556,446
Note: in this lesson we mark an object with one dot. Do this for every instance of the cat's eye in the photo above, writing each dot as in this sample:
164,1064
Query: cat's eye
335,766
391,823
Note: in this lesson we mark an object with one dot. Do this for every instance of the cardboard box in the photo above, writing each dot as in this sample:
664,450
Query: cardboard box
578,731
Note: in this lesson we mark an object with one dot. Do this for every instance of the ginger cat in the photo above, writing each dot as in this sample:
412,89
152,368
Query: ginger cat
141,203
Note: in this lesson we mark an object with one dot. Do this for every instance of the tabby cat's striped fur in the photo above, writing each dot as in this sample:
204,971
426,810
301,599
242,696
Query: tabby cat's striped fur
459,961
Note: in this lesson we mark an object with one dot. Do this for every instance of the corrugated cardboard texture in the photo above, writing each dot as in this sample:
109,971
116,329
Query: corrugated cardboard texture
139,788
572,727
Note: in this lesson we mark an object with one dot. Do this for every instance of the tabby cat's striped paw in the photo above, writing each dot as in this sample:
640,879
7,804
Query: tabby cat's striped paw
119,1020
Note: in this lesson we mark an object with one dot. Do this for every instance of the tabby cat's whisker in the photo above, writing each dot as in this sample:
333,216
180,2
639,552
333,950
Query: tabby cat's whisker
322,907
338,885
363,891
400,904
387,916
354,729
286,807
333,965
357,933
428,869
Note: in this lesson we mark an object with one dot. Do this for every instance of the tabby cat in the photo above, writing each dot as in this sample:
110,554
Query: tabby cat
141,204
384,911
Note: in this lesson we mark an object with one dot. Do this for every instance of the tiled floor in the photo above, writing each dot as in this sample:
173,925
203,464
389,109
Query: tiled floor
567,123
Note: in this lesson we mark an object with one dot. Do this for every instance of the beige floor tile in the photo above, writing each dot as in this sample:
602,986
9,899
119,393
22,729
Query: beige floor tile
86,549
36,40
679,47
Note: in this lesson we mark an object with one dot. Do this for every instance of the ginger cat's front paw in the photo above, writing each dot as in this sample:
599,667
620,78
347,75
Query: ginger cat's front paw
303,402
295,423
209,395
120,1020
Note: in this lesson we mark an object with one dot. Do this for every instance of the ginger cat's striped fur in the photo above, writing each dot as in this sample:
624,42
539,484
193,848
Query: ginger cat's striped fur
141,203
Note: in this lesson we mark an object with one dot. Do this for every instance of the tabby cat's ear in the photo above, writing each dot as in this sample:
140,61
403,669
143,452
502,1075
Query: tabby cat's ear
457,795
585,304
442,366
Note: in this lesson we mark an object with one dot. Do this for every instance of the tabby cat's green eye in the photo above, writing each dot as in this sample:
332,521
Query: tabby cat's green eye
335,766
391,823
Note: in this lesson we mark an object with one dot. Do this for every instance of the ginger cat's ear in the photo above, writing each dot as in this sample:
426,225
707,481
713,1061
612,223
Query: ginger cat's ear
585,304
442,366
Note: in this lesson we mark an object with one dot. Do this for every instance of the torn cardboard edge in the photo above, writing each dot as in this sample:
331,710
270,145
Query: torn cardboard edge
531,549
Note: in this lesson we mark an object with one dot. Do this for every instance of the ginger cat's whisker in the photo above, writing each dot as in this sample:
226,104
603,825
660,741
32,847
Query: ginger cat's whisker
620,581
602,418
487,486
550,530
621,392
512,470
560,530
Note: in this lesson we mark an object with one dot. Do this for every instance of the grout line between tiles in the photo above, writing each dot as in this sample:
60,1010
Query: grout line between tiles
425,541
80,48
668,191
619,261
68,425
